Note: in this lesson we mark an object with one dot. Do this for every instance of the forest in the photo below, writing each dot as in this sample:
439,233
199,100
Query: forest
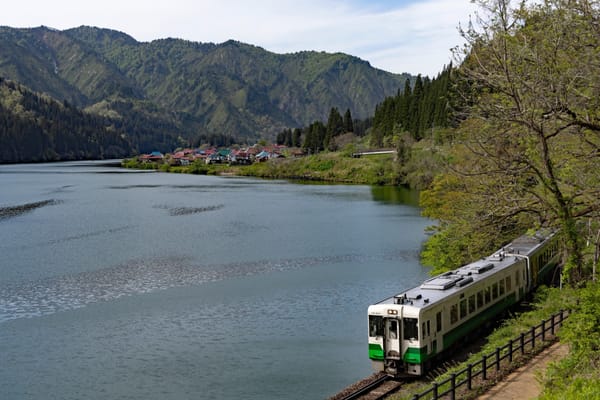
36,128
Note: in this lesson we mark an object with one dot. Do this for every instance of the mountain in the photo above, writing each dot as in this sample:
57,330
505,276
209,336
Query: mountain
35,127
200,88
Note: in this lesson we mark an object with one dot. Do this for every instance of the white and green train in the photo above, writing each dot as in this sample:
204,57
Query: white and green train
410,331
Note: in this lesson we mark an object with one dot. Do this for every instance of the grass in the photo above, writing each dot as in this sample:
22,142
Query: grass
326,167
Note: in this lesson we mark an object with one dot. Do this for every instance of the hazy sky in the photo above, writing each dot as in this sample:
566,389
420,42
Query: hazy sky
395,35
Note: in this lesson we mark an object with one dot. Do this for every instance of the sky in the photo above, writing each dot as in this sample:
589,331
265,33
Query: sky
413,36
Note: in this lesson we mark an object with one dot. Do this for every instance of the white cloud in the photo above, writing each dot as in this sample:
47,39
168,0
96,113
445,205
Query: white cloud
395,35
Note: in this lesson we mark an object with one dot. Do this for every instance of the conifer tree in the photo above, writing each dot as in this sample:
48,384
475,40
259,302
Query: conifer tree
348,125
296,137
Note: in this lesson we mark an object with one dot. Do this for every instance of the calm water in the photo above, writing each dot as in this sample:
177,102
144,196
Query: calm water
118,284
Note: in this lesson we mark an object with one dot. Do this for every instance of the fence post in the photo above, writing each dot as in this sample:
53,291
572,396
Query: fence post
435,390
562,317
452,386
415,397
497,359
552,325
543,330
510,345
532,337
522,338
484,367
469,376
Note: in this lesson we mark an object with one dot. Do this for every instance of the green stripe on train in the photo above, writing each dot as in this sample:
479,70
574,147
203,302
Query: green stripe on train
477,320
375,351
415,355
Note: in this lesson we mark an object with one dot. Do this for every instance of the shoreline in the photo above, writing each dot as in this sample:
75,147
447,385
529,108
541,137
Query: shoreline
326,167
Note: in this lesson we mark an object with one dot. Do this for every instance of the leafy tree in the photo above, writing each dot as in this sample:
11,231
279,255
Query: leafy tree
532,137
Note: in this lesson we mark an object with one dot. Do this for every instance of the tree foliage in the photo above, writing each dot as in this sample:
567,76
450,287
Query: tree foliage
576,376
531,135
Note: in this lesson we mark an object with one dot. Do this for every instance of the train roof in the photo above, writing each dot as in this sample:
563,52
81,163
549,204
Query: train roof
447,284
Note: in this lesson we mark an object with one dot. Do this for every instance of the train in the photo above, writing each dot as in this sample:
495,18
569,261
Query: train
412,331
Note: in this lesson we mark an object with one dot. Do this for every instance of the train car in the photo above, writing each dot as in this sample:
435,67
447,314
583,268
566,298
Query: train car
409,332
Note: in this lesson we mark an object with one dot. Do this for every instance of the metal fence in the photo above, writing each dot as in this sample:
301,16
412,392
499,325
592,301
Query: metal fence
492,361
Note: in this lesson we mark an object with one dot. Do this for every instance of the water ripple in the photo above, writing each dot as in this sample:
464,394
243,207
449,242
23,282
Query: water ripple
177,211
48,296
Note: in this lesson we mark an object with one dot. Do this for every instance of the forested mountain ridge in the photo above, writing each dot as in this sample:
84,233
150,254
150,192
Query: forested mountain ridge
230,88
35,127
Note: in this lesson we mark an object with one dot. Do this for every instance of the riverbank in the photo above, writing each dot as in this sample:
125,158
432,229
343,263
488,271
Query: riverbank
415,168
327,167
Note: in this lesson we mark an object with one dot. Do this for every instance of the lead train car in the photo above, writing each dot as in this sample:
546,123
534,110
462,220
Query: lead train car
409,331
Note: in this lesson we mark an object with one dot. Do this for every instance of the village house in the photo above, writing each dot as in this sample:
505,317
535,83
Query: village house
155,156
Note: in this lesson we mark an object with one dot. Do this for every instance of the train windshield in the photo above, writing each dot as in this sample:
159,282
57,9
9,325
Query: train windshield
411,328
375,325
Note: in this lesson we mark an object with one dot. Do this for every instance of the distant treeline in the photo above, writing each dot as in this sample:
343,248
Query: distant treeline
320,136
417,110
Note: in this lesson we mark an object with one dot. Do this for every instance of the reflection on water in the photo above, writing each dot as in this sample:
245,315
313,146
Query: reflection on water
47,296
395,195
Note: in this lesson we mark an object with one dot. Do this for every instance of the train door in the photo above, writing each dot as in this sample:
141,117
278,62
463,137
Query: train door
411,345
392,339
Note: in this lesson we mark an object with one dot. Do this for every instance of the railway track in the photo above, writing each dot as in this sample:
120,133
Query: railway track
376,387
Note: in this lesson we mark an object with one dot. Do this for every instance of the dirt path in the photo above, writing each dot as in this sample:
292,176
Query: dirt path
523,384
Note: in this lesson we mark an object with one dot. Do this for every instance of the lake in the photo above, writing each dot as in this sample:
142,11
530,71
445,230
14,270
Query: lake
123,284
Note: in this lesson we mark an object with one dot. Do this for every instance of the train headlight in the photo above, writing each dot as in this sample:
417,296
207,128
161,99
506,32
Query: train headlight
392,312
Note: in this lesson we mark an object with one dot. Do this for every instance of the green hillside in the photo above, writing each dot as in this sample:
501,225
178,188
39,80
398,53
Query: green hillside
231,88
37,128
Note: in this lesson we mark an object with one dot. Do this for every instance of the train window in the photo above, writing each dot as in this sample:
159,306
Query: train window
517,279
471,303
438,321
375,325
463,308
495,291
453,313
508,284
488,295
393,329
428,328
411,328
501,287
423,330
480,299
